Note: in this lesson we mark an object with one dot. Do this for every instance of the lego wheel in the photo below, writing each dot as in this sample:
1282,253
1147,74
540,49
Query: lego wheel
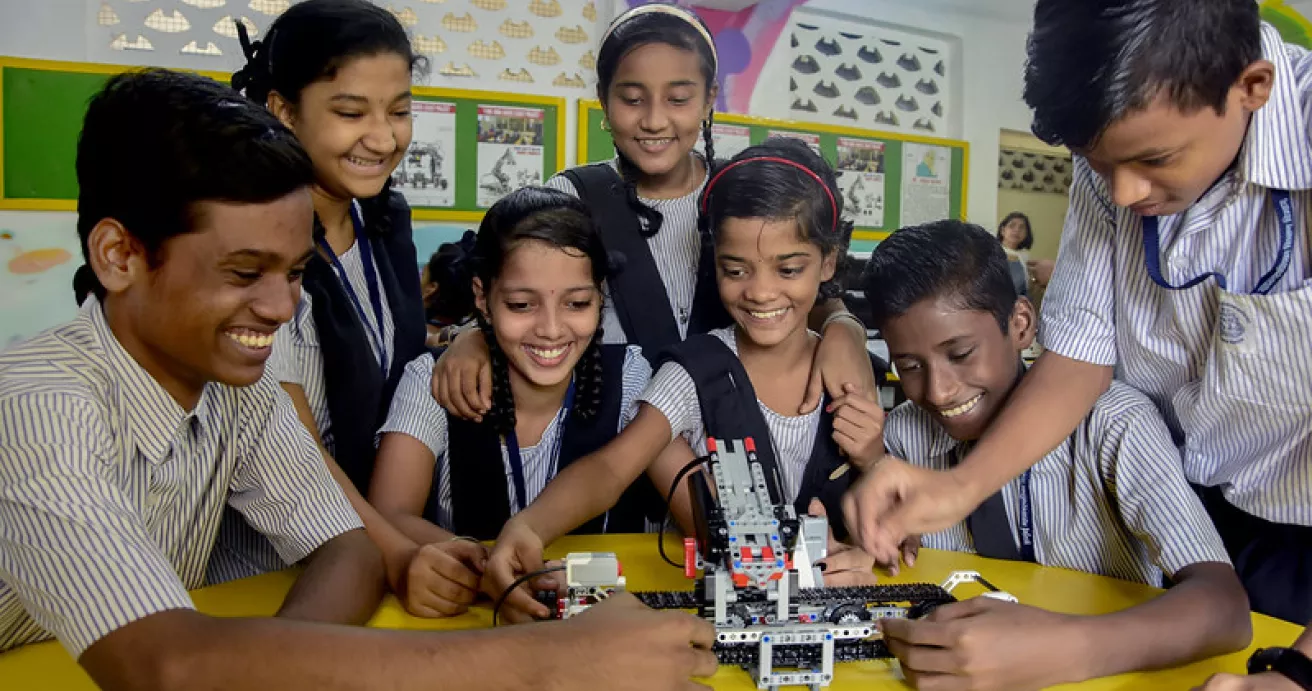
849,614
738,616
922,609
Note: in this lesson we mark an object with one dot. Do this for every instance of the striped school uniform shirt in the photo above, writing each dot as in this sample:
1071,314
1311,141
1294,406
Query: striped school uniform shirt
674,394
1102,307
414,412
1110,500
111,493
676,248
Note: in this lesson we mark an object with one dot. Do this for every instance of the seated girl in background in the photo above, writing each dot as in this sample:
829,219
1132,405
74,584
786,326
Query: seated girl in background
776,214
558,394
447,293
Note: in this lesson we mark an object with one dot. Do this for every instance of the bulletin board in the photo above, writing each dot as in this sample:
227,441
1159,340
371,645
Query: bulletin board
888,180
450,173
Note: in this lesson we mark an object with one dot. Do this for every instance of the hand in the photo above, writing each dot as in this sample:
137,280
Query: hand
462,377
1041,270
843,564
894,500
858,427
982,644
518,550
910,549
621,645
841,359
1266,681
443,578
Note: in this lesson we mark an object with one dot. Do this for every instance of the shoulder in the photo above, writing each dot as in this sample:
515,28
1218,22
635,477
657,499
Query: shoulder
635,365
581,180
65,362
1122,405
910,425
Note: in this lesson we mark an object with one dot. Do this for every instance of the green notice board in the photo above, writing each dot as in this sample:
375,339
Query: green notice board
899,178
450,173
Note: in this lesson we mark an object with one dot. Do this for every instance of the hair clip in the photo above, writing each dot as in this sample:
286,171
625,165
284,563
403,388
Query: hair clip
672,10
513,29
706,193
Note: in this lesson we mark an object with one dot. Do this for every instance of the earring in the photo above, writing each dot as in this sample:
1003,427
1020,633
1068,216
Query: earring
605,124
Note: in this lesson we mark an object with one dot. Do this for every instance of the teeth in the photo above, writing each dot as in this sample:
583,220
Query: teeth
366,162
548,354
961,409
656,142
251,339
768,315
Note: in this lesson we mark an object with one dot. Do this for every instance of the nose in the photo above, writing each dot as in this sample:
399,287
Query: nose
655,119
941,386
761,288
550,326
381,137
276,303
1128,187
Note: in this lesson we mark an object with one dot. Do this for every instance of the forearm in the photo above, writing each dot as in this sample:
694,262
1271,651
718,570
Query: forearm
343,582
1206,614
395,544
582,491
824,309
1048,404
1304,642
419,529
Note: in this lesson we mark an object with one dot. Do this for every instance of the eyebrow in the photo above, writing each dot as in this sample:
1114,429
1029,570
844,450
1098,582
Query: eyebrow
639,85
781,258
356,98
263,256
574,289
1147,154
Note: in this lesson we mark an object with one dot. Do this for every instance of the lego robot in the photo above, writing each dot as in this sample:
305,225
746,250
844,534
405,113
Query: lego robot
759,581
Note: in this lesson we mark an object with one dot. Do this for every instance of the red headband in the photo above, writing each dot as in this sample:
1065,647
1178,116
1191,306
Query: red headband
706,195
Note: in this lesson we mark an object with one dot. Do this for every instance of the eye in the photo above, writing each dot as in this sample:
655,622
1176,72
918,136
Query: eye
296,274
403,113
349,116
683,101
734,272
791,271
580,304
518,306
961,355
245,277
1157,162
909,366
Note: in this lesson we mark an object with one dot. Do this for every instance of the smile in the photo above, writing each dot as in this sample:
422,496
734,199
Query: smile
365,162
962,409
766,316
547,356
655,144
250,339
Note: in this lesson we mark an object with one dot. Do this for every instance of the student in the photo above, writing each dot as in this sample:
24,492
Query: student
656,67
536,270
446,291
1017,238
127,429
1110,500
1183,271
337,73
776,211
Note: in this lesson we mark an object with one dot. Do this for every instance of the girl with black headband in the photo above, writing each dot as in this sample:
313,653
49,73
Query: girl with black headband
656,80
338,74
775,212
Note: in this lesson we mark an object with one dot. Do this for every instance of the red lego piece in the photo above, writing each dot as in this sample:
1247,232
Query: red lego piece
690,557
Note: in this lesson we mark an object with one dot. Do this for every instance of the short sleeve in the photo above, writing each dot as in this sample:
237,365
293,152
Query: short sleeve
637,375
562,183
282,486
674,394
72,546
1153,497
1079,305
414,411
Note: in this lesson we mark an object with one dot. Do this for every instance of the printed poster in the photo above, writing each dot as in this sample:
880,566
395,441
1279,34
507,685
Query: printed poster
926,183
510,150
861,181
426,174
730,140
812,140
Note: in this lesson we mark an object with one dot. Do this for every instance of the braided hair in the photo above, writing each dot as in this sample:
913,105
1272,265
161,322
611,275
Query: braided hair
310,42
564,222
655,23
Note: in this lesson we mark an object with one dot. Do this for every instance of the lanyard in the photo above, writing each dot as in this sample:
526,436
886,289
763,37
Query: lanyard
1284,211
517,461
1026,520
371,282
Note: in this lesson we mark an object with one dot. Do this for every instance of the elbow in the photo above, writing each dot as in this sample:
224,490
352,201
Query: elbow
1234,621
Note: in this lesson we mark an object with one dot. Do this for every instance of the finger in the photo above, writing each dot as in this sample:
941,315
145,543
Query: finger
924,659
485,385
699,632
469,390
861,413
814,390
849,444
437,603
451,568
916,632
961,610
442,586
440,392
698,662
471,554
816,508
911,550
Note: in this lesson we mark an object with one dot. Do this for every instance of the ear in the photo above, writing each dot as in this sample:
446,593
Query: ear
281,109
1254,85
480,298
1023,324
429,290
828,266
118,259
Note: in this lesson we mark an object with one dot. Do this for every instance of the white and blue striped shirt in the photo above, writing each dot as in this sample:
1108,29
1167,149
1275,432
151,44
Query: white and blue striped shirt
1245,426
1110,500
676,249
414,412
111,493
674,394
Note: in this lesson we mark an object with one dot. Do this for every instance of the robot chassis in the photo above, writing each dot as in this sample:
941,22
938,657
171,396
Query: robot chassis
759,583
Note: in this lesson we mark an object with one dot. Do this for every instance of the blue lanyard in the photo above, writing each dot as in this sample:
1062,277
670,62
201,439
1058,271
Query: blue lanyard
371,281
1284,211
517,461
1026,520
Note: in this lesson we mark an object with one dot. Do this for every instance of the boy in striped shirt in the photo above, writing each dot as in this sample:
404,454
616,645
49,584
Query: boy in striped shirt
1111,499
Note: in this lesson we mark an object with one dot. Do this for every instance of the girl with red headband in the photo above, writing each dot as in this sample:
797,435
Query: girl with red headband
775,215
656,80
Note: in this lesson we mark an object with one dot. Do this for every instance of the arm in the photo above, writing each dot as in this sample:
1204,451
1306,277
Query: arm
462,377
403,479
348,563
662,473
842,358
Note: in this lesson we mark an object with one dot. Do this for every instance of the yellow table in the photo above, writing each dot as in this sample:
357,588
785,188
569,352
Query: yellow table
46,667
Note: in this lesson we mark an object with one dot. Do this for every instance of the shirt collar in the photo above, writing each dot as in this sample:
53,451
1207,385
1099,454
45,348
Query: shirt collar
154,418
1276,154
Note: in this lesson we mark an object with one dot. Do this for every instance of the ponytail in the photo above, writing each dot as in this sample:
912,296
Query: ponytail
255,78
86,283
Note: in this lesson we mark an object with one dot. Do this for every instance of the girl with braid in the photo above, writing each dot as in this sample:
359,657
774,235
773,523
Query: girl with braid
656,80
558,393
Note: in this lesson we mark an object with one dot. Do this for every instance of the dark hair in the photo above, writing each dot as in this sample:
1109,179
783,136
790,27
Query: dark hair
185,138
746,188
631,31
944,259
455,293
310,42
1028,241
1091,62
558,219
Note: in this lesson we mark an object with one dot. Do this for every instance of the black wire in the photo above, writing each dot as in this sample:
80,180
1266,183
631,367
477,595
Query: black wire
669,510
518,582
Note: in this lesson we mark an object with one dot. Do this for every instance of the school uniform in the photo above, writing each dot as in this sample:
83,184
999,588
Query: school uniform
1209,313
703,391
474,495
111,493
676,258
1110,500
359,321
